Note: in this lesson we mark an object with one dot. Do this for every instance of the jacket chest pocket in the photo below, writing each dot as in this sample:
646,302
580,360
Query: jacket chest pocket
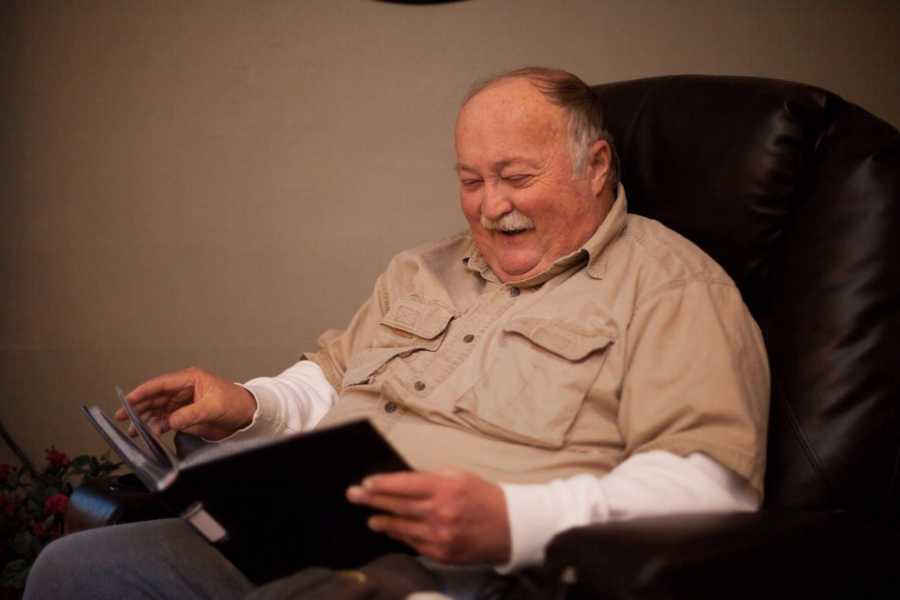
410,326
535,385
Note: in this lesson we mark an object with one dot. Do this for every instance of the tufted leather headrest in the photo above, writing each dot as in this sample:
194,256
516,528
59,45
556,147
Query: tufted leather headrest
797,194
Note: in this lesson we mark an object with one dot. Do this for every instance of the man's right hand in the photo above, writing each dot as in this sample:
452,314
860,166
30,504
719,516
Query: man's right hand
193,401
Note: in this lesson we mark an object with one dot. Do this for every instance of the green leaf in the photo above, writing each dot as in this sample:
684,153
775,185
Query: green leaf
15,573
23,543
16,479
82,460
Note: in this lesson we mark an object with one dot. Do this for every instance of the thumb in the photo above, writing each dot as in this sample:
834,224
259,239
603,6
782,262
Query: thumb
188,416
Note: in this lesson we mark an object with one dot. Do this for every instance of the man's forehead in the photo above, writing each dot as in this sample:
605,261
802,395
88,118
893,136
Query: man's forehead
507,122
512,103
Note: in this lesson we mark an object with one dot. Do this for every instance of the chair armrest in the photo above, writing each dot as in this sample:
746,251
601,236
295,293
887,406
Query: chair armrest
736,555
108,501
90,507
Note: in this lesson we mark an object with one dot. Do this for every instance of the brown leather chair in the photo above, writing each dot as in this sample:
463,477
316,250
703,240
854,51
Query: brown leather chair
796,192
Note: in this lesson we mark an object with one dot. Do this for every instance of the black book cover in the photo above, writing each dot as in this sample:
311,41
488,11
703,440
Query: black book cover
275,506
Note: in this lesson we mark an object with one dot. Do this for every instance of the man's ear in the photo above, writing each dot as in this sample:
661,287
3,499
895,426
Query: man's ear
599,165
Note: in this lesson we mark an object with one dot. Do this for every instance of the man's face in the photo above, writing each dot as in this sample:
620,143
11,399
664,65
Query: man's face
524,205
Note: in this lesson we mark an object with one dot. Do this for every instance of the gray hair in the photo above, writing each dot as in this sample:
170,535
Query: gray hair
575,97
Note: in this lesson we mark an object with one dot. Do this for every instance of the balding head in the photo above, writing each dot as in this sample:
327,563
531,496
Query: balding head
586,120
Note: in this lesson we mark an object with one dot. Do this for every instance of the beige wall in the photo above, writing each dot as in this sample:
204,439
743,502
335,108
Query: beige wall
214,183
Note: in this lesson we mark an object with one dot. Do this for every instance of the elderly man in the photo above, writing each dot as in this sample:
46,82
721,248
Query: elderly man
561,363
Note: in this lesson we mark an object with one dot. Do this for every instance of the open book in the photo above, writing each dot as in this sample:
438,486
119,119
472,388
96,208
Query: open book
271,506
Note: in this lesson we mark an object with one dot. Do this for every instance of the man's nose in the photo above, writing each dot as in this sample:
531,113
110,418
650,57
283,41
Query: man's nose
495,202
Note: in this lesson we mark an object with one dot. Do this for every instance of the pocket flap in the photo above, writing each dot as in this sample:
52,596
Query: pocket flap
365,364
422,319
570,340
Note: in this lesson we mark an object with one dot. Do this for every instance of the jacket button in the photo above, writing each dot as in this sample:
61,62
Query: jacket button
419,385
390,407
468,338
514,292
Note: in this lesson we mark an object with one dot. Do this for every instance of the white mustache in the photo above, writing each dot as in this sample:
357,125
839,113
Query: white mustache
511,221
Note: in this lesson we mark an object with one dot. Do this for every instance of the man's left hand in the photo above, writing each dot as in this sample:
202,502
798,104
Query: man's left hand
450,516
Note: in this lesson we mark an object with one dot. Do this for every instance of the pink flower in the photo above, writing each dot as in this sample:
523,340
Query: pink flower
56,504
57,459
37,529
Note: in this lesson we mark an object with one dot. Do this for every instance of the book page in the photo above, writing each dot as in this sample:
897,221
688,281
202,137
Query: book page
152,474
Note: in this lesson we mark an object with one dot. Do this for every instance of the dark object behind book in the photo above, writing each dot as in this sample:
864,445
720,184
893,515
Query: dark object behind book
275,506
111,501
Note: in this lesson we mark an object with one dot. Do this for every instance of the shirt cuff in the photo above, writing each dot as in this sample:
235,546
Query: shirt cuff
538,512
531,526
266,417
293,401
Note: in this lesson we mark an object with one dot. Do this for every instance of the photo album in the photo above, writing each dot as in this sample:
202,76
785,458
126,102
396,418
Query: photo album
274,505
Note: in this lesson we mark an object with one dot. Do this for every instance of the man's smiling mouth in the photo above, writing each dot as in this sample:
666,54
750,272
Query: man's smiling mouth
513,232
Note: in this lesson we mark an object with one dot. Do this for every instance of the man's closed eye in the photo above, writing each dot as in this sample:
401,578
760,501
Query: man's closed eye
518,180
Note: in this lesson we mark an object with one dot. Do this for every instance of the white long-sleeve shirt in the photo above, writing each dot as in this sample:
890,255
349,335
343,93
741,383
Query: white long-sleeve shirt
646,484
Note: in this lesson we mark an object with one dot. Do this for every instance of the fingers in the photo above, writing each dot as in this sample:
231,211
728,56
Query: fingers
192,400
411,494
399,505
158,424
451,516
415,534
407,484
163,393
411,531
169,384
157,404
430,538
409,499
188,415
155,421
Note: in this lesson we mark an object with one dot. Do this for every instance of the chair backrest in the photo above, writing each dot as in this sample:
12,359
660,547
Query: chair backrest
796,192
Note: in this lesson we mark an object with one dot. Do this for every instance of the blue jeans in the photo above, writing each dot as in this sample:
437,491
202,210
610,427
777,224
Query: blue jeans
167,559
